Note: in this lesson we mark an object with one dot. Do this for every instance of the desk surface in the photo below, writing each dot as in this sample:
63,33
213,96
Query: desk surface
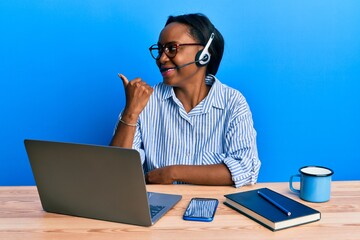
22,217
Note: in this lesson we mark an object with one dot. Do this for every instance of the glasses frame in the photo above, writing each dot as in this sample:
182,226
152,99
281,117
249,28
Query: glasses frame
165,49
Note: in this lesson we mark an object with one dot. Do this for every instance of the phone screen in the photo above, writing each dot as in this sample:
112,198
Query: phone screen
201,209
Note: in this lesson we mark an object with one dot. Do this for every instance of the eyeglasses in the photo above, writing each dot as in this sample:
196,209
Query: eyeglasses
170,49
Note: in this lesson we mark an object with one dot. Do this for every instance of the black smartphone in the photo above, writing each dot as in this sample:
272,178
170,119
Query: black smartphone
201,209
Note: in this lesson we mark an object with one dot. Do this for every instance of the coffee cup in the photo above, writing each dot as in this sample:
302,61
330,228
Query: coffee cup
315,183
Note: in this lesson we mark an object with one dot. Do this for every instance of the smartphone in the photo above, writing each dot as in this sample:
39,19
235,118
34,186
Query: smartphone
201,209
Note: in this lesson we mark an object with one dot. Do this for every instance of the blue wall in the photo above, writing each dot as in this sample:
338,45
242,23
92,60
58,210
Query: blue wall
297,63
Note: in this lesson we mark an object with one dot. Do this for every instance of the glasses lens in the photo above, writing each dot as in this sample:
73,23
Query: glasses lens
154,51
171,50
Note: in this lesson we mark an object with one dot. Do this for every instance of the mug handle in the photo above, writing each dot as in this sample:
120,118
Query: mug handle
291,183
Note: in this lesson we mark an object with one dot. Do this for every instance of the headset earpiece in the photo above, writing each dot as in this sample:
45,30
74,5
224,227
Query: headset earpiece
203,56
202,61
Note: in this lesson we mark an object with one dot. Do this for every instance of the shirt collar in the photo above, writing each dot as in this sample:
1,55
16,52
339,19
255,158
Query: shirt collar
167,91
215,95
213,99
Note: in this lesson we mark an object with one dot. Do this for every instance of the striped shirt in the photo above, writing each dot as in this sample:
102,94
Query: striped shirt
218,130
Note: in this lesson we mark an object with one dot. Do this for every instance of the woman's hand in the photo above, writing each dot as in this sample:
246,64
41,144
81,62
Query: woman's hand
137,93
162,175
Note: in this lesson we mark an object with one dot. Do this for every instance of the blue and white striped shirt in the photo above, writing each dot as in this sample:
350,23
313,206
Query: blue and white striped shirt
218,130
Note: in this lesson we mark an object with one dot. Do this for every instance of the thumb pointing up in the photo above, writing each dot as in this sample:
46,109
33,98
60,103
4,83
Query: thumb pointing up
124,80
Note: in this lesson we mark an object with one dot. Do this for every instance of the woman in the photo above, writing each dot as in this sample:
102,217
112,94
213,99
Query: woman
190,128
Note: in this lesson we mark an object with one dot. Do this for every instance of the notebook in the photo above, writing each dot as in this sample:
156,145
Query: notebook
256,207
99,182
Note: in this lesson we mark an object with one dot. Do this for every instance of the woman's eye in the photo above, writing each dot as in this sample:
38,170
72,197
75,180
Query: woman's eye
172,48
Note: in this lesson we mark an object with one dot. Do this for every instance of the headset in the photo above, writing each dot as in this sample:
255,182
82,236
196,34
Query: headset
202,58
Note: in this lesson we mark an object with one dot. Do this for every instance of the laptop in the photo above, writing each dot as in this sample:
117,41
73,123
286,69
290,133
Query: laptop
99,182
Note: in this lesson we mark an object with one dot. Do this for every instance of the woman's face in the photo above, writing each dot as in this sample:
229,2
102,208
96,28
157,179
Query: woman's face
172,69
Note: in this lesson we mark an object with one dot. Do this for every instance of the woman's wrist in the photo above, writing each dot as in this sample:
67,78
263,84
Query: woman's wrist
127,124
129,117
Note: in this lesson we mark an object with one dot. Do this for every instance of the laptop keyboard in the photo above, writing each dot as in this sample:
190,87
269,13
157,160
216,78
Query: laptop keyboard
155,209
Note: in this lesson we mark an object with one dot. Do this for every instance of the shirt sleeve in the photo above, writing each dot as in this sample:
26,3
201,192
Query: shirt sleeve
137,143
241,156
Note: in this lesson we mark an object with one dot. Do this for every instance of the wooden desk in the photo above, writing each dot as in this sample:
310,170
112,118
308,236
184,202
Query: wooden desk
21,217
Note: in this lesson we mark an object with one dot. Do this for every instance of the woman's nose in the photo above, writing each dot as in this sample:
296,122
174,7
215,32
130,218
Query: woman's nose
163,58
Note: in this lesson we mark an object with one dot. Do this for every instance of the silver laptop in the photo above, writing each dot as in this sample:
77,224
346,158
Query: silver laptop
98,182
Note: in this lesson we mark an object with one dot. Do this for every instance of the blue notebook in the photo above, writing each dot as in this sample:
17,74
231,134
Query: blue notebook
251,204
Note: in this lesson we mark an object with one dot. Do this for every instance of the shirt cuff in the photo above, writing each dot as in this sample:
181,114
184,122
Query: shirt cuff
242,174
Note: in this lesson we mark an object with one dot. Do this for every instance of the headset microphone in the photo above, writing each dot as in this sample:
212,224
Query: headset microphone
187,64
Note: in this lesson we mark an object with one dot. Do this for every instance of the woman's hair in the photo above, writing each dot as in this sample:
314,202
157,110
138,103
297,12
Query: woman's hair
201,28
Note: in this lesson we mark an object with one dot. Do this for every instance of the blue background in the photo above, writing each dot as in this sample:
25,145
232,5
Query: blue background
296,62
